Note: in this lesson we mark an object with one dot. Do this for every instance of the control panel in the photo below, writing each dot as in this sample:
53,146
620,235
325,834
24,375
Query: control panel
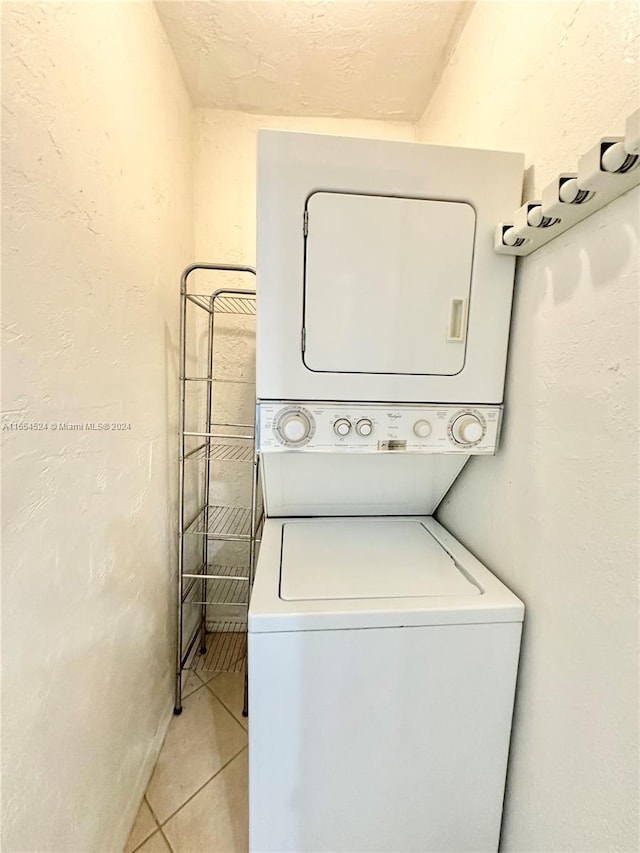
377,427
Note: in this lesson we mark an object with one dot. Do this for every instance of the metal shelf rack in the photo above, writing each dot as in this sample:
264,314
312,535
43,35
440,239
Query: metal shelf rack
208,589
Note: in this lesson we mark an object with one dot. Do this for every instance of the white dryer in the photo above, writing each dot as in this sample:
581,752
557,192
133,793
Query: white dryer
377,278
382,655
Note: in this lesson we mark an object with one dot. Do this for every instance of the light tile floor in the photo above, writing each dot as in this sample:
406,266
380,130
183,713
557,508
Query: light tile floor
197,798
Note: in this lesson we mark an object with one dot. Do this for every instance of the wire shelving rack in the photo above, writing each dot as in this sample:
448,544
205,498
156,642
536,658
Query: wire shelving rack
208,588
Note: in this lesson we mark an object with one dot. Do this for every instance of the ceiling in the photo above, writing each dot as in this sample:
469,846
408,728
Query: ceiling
379,59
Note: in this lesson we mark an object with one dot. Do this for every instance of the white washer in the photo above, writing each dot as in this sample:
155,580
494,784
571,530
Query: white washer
383,660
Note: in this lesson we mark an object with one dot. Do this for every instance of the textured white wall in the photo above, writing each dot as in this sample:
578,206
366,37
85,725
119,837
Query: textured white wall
545,77
225,173
315,58
97,223
555,514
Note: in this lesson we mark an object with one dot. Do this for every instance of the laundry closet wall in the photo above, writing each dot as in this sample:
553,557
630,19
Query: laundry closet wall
555,513
225,172
97,224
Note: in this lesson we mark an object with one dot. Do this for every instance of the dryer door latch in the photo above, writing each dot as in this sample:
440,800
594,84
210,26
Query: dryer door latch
457,330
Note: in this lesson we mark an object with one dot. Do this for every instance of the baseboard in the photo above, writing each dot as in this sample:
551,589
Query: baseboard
144,776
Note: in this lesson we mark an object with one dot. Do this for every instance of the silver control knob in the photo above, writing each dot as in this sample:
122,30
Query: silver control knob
294,427
467,429
364,427
342,426
422,429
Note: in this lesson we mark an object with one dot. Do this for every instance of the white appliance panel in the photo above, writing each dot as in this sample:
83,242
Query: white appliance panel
340,427
292,167
361,558
403,463
387,284
306,484
270,612
380,740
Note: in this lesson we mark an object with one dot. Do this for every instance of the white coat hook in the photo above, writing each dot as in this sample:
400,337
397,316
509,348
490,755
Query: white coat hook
632,133
615,158
609,169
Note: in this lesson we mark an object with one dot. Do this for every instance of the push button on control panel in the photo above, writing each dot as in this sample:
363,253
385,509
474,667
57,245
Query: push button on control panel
422,429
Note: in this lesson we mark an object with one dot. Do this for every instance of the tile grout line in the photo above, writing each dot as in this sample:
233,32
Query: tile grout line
233,716
160,824
211,690
155,820
195,793
213,677
153,815
166,840
200,686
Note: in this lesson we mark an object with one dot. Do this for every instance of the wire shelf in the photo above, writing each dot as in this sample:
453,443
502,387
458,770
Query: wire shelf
237,304
220,379
232,452
200,300
230,523
226,650
234,426
225,585
235,450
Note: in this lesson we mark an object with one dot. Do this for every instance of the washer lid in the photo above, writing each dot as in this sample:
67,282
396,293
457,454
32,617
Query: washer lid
366,558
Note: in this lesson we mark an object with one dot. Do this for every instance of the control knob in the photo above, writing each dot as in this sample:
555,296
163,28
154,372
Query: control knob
294,427
467,429
342,426
422,429
364,427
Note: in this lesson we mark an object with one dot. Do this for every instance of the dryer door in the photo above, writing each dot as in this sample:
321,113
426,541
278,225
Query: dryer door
387,284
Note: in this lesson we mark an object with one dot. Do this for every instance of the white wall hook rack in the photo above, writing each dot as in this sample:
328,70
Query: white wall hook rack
606,171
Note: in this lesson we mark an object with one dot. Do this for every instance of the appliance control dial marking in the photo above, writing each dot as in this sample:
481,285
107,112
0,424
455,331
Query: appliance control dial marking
467,428
294,427
342,426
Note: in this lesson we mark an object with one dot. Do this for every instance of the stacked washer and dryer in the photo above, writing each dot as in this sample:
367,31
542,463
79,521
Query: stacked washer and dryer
382,655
